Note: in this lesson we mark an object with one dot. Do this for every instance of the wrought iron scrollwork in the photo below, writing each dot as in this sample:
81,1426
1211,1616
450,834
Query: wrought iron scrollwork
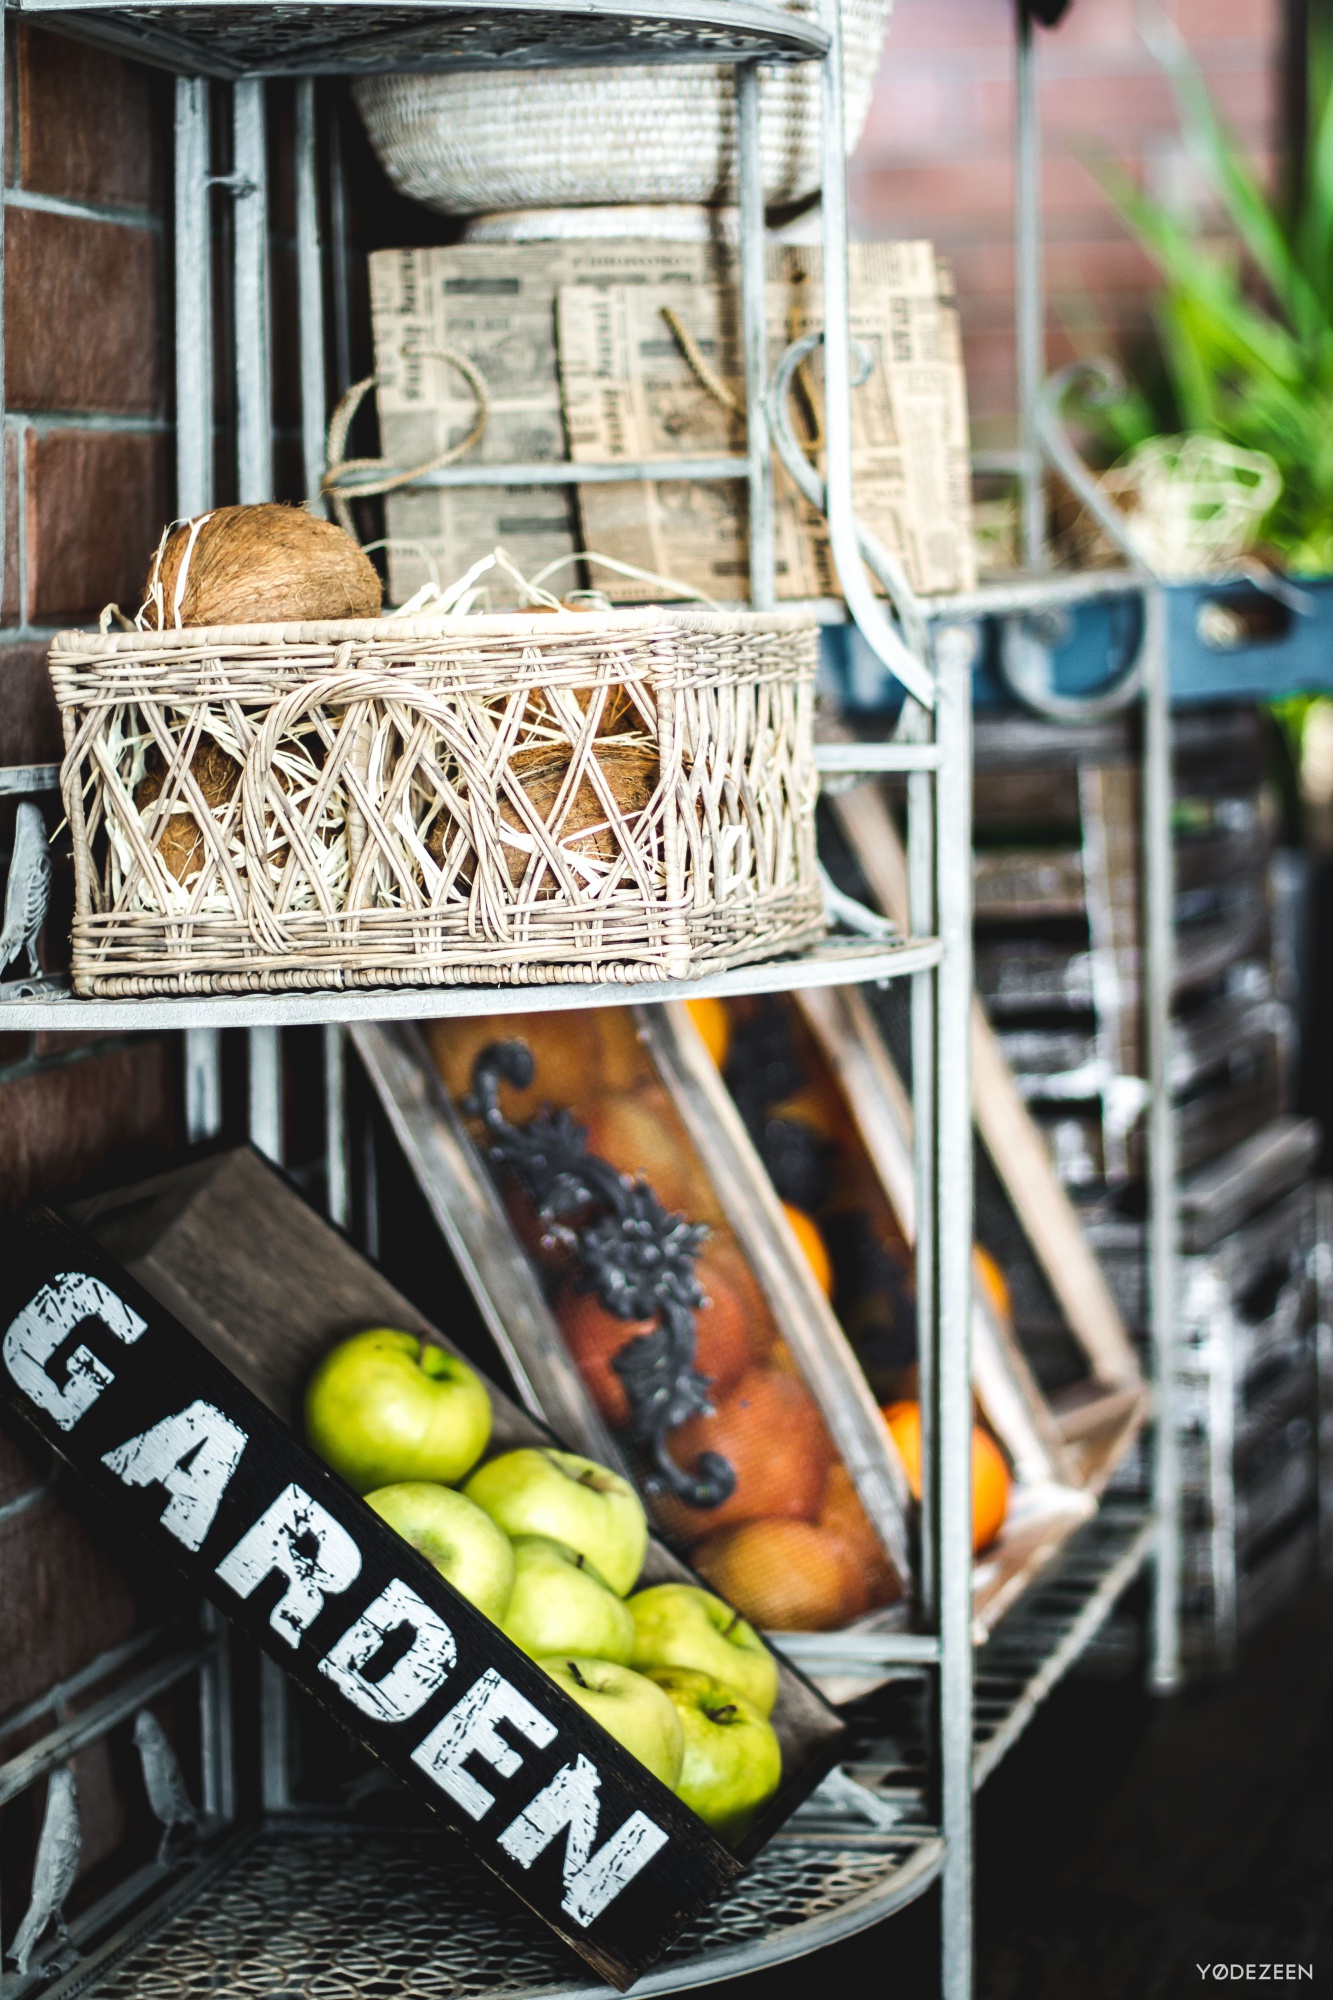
636,1259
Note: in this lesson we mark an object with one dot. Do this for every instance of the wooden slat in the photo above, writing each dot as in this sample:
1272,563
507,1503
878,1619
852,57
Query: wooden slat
1007,1129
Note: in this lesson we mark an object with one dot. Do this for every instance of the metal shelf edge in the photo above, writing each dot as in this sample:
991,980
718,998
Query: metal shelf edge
421,1003
193,39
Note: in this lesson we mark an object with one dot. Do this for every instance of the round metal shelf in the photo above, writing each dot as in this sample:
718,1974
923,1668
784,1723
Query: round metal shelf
315,1914
836,962
231,39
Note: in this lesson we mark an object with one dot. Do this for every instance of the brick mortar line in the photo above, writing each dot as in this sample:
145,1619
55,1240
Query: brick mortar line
47,423
83,211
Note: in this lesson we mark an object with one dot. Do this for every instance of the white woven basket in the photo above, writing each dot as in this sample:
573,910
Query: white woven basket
466,142
437,802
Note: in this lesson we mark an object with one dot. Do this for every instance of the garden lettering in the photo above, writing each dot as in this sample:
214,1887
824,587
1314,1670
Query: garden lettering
150,1417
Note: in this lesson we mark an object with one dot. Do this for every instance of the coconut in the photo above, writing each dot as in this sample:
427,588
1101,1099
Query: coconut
258,565
180,842
584,831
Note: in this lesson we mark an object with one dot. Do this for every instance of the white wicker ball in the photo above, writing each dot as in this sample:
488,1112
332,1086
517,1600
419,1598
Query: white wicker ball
465,142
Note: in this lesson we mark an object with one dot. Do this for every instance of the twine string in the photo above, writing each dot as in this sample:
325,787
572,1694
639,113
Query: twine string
155,599
458,597
374,476
704,374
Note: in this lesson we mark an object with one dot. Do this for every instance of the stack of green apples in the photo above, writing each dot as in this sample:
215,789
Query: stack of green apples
550,1546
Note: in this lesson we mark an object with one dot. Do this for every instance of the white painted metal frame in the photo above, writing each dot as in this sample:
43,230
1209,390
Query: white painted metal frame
940,850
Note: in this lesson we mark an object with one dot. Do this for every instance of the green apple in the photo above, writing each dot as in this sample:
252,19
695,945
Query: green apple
384,1406
561,1605
628,1707
455,1537
679,1625
733,1763
594,1512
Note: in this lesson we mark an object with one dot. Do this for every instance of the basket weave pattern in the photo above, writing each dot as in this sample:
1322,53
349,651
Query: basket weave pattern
520,800
592,136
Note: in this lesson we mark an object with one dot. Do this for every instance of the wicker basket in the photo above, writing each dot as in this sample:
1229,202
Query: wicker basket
518,138
500,800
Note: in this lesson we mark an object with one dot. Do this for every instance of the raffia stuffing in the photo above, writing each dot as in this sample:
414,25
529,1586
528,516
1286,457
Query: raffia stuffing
565,797
186,815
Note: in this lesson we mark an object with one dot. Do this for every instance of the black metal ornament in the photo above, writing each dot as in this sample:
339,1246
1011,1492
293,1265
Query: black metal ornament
637,1260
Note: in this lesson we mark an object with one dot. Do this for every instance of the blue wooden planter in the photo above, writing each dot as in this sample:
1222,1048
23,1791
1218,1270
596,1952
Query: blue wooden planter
1294,658
1293,655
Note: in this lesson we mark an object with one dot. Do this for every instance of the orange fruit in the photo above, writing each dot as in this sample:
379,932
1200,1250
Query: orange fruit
842,1516
642,1134
783,1575
812,1246
712,1020
990,1474
989,1277
595,1337
771,1433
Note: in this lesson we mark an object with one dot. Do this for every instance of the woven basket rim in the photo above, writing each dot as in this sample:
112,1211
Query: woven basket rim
656,620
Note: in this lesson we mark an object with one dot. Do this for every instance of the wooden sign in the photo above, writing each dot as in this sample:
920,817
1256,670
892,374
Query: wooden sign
168,1437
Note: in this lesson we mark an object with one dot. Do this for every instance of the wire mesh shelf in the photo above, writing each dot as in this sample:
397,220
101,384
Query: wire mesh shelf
1041,1638
1031,1648
366,37
310,1913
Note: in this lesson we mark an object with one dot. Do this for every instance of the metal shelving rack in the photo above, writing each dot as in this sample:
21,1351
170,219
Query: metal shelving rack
854,1854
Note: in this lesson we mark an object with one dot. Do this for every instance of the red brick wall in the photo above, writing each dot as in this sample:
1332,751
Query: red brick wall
935,157
87,436
87,458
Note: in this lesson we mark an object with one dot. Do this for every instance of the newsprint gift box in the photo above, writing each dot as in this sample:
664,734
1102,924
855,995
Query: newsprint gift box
160,1344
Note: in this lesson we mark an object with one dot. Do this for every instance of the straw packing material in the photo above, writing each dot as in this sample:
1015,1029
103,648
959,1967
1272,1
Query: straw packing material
255,565
590,136
181,842
559,797
184,848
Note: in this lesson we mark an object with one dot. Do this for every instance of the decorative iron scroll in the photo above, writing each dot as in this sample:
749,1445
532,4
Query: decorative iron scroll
637,1260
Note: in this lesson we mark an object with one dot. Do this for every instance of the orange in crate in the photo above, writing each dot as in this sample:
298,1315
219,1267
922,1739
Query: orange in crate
769,1429
722,1345
813,1247
817,1106
989,1278
784,1576
642,1134
578,1055
710,1017
990,1474
842,1515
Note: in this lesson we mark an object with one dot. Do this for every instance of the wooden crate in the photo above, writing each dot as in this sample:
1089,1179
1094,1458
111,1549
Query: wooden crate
201,1301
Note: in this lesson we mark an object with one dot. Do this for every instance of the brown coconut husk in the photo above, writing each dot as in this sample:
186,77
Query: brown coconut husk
632,771
630,768
180,843
260,565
